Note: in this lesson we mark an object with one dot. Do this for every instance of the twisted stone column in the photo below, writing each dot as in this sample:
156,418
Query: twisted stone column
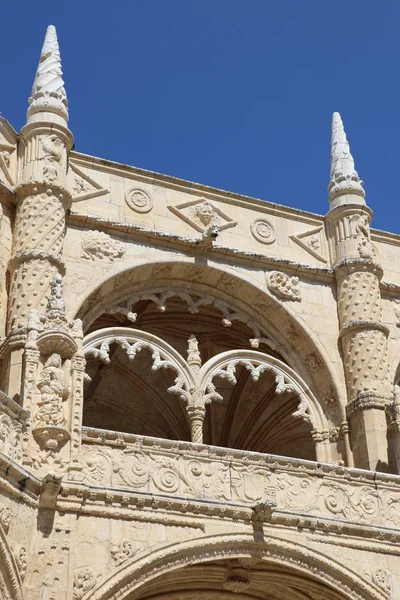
196,416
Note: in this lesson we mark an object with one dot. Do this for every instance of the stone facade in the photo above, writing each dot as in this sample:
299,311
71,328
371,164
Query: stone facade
199,390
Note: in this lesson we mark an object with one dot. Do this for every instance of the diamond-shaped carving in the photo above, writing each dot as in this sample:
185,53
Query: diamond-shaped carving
202,214
311,242
83,187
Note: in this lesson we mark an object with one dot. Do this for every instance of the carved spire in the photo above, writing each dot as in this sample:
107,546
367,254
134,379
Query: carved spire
48,93
345,186
194,358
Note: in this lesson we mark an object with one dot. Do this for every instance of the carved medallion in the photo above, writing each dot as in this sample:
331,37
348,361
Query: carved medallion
284,286
263,231
97,244
139,200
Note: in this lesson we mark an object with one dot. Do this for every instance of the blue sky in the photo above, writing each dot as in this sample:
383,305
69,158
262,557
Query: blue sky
236,94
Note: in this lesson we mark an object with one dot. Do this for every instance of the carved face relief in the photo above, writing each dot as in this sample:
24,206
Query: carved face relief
205,213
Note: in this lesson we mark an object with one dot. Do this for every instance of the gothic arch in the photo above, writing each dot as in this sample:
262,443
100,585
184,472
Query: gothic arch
287,331
286,379
134,577
132,341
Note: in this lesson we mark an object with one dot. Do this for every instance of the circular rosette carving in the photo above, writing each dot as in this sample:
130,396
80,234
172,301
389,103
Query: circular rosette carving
336,500
139,200
166,477
263,231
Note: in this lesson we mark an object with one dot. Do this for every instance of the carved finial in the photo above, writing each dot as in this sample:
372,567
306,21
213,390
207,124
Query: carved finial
48,94
345,186
55,302
194,358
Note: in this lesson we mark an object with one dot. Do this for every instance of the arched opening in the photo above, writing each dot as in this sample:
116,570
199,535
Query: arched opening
252,416
129,396
232,566
257,403
247,579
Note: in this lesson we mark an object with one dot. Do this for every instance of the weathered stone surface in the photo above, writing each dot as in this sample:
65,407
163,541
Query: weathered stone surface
199,391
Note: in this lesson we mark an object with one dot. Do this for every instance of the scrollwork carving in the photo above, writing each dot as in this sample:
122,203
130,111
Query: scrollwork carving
382,578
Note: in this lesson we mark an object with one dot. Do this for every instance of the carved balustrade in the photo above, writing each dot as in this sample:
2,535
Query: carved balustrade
304,493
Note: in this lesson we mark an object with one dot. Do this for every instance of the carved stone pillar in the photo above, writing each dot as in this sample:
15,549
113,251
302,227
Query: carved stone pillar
42,201
196,416
363,335
196,410
41,204
78,364
53,384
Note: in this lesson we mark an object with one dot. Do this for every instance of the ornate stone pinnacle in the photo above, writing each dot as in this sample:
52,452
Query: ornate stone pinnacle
194,358
48,93
344,178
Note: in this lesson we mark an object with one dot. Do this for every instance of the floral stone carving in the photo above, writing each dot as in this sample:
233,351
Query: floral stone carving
284,286
263,231
84,581
121,551
139,200
96,244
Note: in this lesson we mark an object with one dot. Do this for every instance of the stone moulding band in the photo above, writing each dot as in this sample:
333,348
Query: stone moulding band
25,255
43,187
354,326
366,401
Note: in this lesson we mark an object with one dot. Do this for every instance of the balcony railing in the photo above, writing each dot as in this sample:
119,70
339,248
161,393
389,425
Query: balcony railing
308,494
